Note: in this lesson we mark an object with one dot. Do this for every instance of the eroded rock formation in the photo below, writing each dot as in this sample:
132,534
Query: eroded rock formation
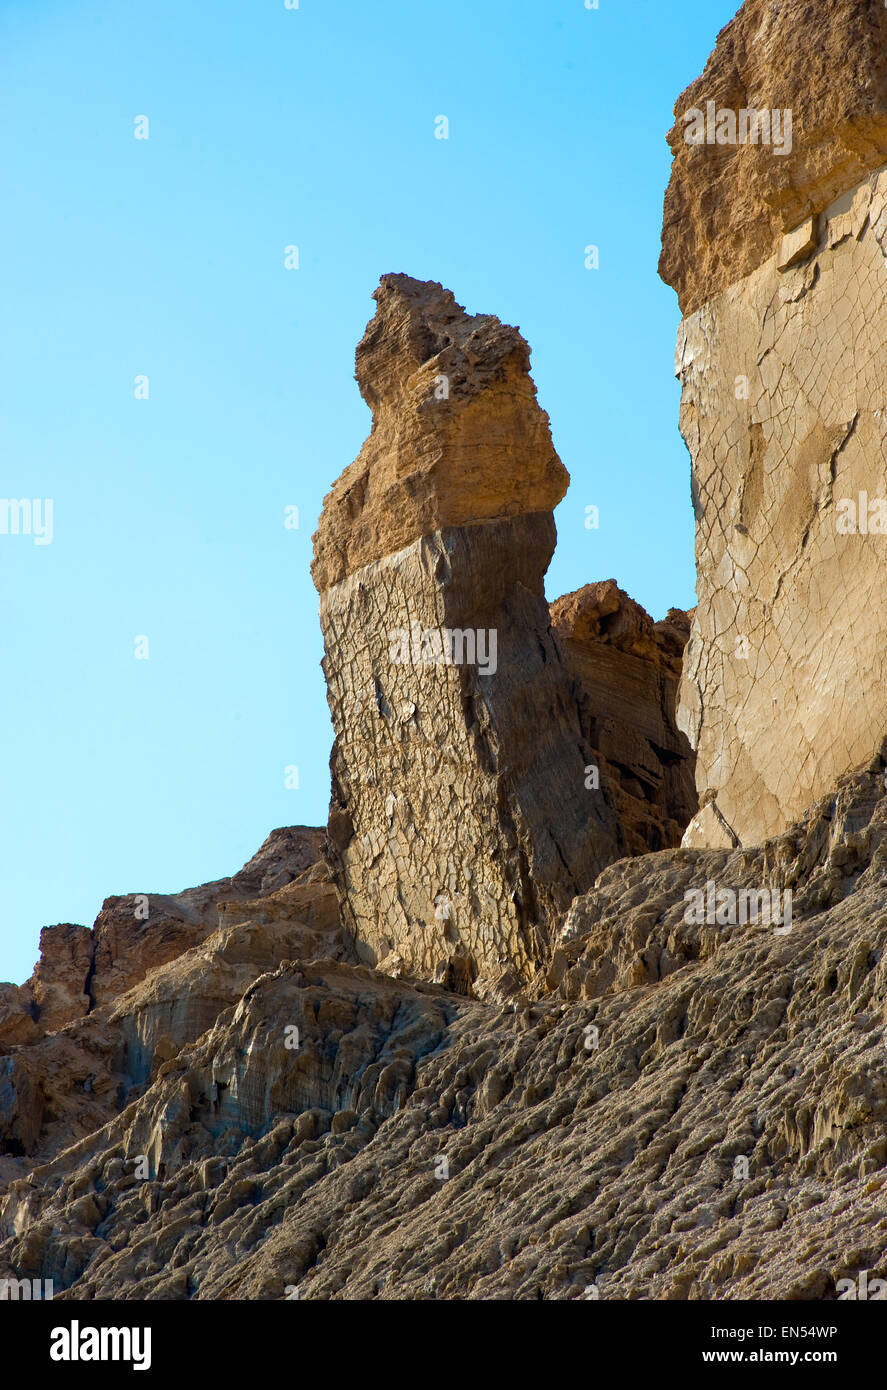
675,1112
653,1094
461,824
626,670
79,969
60,1083
779,261
729,203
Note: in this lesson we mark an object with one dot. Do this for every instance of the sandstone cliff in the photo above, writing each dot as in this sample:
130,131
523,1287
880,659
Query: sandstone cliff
782,359
477,1041
729,203
461,824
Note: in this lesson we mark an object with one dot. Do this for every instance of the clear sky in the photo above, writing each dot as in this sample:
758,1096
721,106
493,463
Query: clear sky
164,258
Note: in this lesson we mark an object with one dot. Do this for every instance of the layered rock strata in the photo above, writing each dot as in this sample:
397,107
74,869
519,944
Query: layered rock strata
626,670
676,1112
80,969
57,1086
779,260
730,201
461,823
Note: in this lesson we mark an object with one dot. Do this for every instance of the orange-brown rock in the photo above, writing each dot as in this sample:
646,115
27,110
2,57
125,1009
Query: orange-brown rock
63,1084
17,1014
57,991
132,936
729,205
60,980
457,437
626,669
79,969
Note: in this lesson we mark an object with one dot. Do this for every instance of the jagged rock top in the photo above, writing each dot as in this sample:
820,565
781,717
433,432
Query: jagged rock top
135,933
602,612
728,205
457,435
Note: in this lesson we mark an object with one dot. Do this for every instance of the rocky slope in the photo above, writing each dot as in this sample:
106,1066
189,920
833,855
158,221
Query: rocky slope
670,1112
64,1071
132,935
541,1014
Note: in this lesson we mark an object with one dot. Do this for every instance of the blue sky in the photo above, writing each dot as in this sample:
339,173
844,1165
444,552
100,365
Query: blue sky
164,257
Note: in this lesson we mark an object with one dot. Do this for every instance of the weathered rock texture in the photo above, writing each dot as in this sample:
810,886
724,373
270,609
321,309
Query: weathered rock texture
79,969
58,1085
626,670
783,364
729,205
458,436
673,1112
461,824
127,946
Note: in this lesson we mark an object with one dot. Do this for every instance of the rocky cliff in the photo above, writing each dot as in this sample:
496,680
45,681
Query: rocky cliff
492,755
676,1111
134,934
777,250
70,1072
555,1008
817,76
626,670
463,818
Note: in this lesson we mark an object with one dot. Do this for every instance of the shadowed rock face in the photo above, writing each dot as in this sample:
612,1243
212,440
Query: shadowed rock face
626,669
460,824
783,362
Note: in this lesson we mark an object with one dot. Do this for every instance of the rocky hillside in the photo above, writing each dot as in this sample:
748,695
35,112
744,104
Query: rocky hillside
581,993
671,1111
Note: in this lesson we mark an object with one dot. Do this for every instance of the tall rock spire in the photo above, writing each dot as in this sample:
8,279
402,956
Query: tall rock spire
465,814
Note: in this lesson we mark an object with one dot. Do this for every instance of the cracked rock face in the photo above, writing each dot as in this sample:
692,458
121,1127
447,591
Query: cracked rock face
461,823
670,1083
783,411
